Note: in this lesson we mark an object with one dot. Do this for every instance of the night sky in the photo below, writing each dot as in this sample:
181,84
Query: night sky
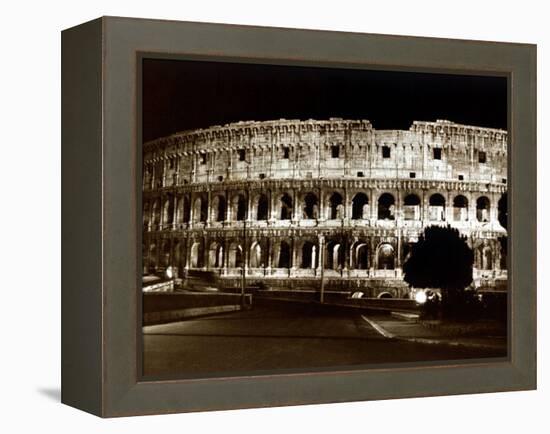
180,95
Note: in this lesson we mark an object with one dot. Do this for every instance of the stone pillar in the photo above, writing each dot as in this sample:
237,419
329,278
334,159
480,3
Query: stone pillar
209,208
293,246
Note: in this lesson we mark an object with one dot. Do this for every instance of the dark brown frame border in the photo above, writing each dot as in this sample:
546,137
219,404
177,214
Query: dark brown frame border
100,166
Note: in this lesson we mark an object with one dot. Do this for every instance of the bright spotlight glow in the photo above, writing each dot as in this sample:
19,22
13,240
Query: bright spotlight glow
421,297
169,273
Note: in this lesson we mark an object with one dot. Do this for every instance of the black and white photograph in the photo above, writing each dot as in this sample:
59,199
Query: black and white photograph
300,218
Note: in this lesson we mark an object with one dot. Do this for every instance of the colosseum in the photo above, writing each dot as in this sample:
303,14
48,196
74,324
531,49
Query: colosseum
300,204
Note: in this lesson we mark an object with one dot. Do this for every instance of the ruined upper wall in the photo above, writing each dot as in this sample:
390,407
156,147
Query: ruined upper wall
334,148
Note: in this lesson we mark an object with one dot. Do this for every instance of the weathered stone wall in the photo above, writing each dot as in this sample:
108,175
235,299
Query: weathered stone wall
274,197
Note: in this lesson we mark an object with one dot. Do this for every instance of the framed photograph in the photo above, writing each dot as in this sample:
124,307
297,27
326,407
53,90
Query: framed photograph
261,217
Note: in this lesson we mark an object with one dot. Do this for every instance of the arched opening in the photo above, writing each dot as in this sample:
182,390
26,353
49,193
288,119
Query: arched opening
482,209
385,295
437,207
336,208
215,255
386,207
168,211
286,207
310,208
235,255
361,256
256,260
239,207
360,206
197,255
334,256
197,210
218,208
460,208
284,255
262,208
156,215
308,255
186,214
486,262
386,257
411,207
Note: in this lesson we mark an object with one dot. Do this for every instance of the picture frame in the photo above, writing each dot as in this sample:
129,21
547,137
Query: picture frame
101,223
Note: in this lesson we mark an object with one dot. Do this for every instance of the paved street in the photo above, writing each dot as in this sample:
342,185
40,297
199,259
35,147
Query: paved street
281,337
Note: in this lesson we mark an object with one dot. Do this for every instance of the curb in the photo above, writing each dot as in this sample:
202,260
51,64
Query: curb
429,341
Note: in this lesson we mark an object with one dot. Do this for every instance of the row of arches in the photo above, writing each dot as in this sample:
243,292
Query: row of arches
179,210
283,254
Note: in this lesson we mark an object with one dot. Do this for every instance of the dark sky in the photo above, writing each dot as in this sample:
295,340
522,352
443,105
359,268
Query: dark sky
180,95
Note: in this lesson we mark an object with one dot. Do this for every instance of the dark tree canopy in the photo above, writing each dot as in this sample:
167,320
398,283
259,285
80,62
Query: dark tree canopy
440,259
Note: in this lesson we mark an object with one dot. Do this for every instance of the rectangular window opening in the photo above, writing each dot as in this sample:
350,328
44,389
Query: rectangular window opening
482,157
461,177
386,152
412,175
360,174
242,154
335,151
437,153
286,152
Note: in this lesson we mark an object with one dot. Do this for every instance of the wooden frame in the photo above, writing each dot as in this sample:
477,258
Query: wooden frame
101,228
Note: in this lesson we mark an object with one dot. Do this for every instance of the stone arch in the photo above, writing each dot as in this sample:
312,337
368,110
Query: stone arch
185,209
200,209
334,255
235,258
309,257
286,207
262,207
437,207
215,255
310,206
360,255
360,206
256,257
197,255
411,207
335,206
385,294
482,209
386,207
486,258
156,214
386,257
284,259
168,210
460,208
218,208
239,210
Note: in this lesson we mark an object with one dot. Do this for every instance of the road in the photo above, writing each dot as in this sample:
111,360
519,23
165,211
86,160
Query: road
287,337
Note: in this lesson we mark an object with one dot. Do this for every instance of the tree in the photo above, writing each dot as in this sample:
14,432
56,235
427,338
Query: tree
441,259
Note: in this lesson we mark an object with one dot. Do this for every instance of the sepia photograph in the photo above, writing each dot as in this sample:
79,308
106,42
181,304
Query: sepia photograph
300,218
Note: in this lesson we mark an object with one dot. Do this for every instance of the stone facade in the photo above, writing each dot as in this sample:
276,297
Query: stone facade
279,199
